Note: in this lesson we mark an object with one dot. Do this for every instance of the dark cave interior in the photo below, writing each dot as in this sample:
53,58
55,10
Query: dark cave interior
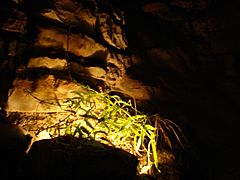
176,58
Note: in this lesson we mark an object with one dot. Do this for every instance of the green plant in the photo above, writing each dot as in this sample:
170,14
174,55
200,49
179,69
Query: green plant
109,119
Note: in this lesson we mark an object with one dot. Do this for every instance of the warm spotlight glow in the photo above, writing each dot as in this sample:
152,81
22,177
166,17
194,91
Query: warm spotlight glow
99,116
82,112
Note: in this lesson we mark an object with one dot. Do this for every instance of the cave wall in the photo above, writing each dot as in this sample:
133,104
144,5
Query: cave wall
178,58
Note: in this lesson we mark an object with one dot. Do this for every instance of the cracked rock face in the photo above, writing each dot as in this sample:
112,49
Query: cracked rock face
178,57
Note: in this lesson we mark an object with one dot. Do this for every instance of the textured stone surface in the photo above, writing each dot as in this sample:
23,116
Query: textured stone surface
15,22
79,45
90,72
47,63
180,55
75,13
50,14
26,96
111,32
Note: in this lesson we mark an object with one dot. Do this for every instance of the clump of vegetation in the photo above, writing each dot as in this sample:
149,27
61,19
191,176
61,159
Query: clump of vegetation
110,120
